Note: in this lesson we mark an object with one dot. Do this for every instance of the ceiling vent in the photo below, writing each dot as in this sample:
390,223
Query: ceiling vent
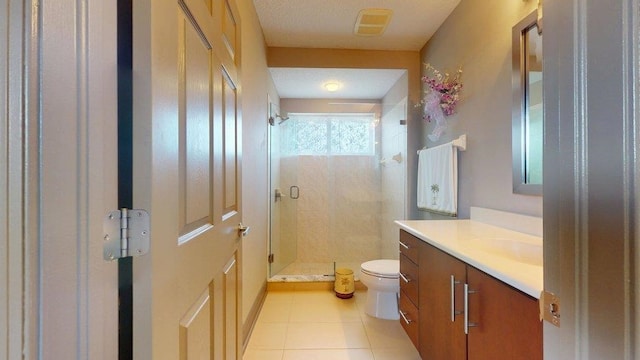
372,22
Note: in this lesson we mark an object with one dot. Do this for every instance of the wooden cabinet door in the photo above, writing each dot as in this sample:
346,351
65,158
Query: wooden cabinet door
440,338
507,324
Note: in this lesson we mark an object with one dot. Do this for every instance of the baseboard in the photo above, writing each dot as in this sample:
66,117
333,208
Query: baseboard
252,318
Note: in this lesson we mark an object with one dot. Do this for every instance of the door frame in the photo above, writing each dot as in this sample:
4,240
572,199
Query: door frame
591,179
18,315
61,174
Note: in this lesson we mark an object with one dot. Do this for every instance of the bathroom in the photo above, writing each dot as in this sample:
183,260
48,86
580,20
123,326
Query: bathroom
64,105
485,169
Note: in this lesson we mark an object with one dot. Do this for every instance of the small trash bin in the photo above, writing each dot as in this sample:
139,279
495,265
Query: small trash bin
344,285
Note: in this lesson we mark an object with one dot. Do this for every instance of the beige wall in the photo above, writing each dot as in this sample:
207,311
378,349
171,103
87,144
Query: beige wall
346,59
477,36
255,85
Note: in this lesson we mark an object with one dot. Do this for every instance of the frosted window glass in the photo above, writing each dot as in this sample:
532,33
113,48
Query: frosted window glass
329,134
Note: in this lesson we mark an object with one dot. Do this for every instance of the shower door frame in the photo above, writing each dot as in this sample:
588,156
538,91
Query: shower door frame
277,258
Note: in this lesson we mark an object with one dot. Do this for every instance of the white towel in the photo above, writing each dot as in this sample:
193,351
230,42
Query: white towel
438,179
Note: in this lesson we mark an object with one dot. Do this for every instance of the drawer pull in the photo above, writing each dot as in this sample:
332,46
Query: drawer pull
454,282
467,324
404,245
404,317
405,278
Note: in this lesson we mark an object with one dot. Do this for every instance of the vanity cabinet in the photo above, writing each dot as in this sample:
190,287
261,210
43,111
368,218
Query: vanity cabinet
409,286
502,322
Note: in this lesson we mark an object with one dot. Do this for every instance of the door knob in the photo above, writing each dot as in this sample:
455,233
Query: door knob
243,230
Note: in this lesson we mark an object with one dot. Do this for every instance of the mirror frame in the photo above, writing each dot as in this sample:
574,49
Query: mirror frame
519,114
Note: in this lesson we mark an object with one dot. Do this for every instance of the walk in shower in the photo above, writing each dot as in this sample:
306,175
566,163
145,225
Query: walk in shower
337,183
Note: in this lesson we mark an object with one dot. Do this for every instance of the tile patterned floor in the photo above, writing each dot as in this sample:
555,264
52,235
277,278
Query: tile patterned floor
316,325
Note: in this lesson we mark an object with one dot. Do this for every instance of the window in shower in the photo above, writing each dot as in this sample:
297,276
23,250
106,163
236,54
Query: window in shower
329,134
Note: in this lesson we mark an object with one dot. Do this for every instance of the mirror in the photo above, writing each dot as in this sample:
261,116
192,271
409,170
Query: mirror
527,123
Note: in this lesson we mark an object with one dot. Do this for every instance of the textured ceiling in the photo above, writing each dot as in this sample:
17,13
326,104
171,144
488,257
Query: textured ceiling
330,24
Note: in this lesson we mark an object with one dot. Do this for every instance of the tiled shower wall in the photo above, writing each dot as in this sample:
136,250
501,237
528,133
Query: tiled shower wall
338,212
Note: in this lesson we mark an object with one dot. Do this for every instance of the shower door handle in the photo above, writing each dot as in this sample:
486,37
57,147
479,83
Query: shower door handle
294,192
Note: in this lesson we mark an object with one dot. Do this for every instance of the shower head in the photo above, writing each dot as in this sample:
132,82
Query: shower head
272,120
282,118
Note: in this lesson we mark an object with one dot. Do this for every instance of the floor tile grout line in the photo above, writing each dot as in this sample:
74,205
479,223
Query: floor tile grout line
361,319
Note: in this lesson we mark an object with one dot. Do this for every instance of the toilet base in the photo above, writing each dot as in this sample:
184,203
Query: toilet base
382,305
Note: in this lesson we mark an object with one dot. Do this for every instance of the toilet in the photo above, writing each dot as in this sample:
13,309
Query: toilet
381,279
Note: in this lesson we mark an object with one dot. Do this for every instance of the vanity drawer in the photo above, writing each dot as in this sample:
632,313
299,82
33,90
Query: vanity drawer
409,283
409,319
409,246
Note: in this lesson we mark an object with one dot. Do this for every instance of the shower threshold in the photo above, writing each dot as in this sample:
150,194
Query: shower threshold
313,272
301,278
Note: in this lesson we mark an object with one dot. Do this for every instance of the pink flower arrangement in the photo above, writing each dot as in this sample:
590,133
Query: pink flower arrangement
446,87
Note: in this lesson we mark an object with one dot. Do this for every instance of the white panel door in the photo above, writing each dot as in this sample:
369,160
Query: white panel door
186,174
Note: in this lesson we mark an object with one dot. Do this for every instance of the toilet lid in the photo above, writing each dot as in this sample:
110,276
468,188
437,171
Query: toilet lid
386,268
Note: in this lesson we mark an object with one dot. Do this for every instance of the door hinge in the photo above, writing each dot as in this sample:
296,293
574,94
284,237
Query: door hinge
271,258
126,233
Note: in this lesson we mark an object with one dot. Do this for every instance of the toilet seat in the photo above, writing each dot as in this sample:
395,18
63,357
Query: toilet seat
387,269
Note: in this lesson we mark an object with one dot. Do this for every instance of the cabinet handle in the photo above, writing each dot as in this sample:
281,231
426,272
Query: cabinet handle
405,278
467,324
404,317
454,282
403,245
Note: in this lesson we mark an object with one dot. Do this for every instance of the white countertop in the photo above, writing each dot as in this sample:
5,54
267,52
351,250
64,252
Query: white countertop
513,257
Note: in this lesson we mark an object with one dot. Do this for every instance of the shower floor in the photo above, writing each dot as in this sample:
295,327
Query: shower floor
312,272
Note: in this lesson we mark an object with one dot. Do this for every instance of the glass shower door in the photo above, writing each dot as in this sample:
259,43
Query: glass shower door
283,196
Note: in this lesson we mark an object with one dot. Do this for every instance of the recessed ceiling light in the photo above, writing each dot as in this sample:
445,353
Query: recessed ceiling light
332,86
